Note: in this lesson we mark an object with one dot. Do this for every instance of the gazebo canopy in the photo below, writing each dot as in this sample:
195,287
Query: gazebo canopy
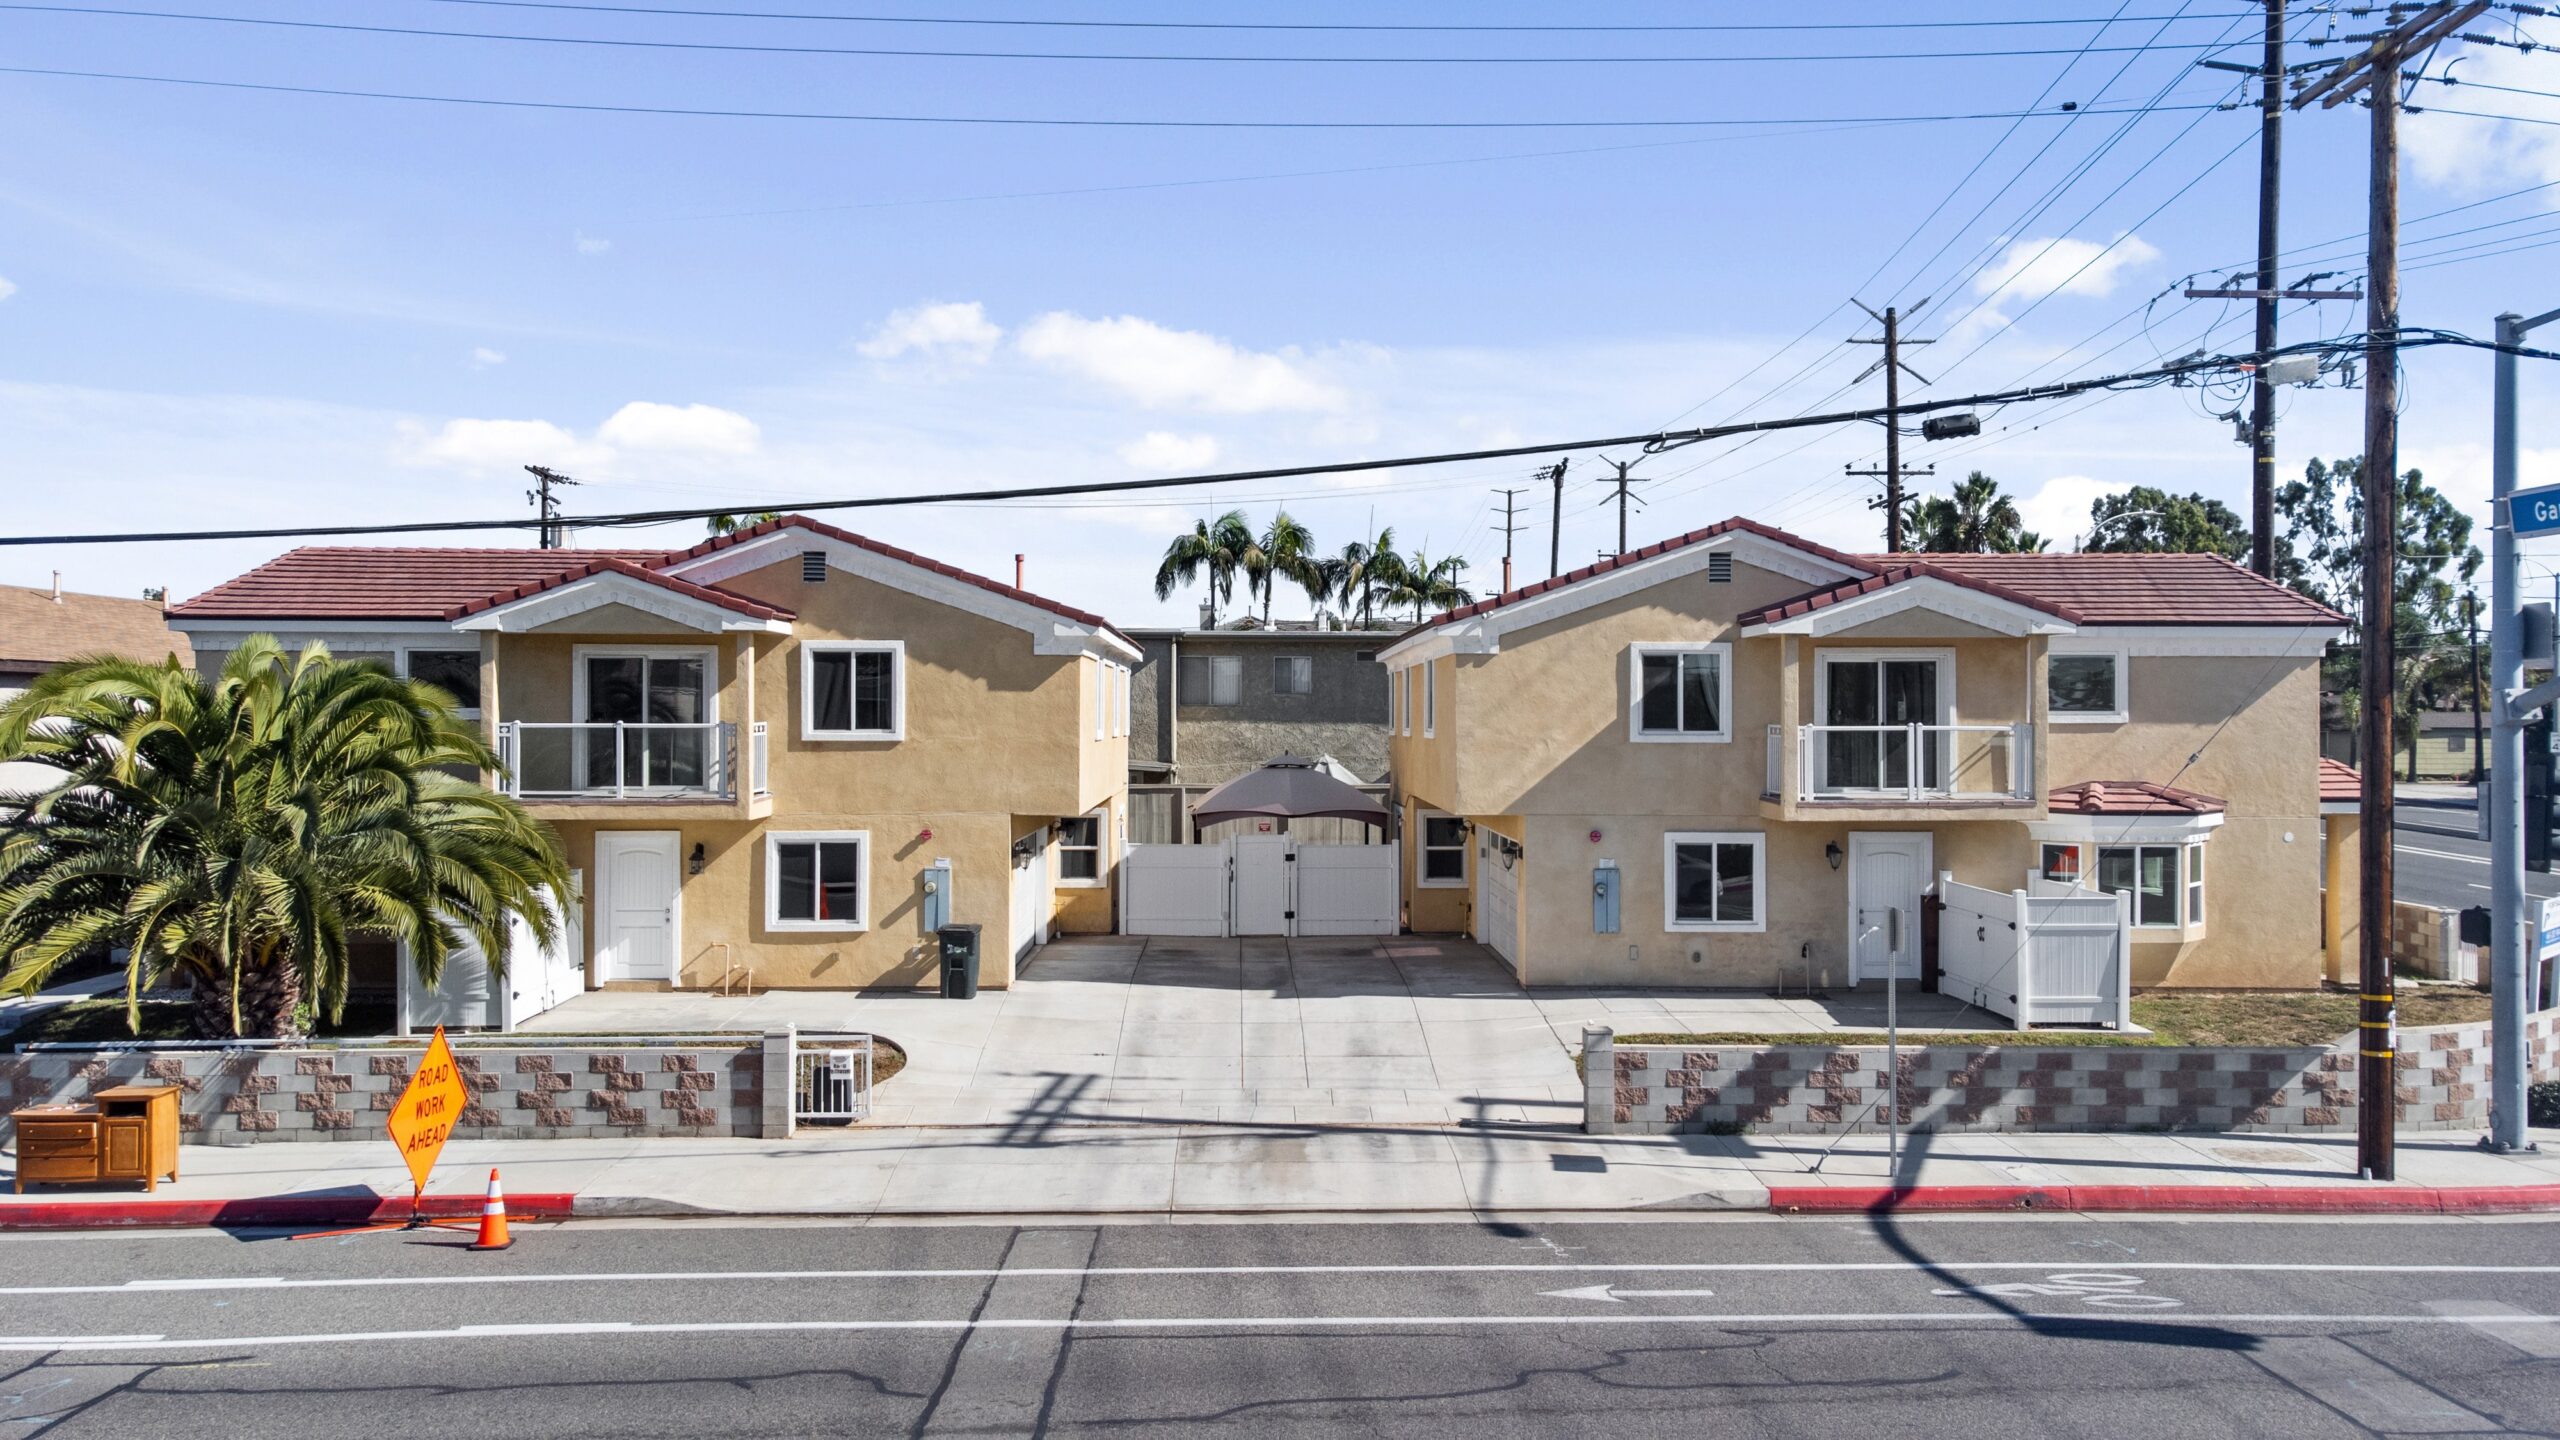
1290,787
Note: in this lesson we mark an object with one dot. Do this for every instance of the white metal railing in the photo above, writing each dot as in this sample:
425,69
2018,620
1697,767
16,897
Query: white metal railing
1912,763
830,1078
1777,761
617,759
759,751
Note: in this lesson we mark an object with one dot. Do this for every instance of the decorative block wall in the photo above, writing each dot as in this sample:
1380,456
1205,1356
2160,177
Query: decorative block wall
520,1092
1811,1089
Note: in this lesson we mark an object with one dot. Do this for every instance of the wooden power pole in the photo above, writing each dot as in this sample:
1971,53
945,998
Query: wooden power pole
548,505
1894,370
2262,403
1554,475
1508,524
2375,71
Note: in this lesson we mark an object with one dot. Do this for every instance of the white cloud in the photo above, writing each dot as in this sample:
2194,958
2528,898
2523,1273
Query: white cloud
504,444
7,289
2032,268
960,329
482,357
2469,155
1165,450
590,244
1176,369
2059,509
703,429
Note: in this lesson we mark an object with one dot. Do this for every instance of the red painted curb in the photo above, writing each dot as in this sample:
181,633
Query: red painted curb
264,1210
2182,1199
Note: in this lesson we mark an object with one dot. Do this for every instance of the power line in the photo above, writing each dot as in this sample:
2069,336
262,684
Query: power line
1005,121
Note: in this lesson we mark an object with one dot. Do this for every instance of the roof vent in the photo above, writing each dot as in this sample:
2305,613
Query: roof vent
1720,567
813,566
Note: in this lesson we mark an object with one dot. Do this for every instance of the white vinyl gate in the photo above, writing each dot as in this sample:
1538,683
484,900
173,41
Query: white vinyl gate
1498,904
1031,896
1260,885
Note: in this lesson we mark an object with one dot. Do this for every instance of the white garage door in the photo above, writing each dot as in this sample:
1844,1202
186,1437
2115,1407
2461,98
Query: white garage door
1498,899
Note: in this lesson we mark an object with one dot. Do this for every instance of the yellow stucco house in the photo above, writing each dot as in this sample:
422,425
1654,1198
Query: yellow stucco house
791,750
1739,758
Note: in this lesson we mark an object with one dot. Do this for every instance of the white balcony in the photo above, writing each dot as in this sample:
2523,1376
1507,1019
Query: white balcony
1925,765
623,760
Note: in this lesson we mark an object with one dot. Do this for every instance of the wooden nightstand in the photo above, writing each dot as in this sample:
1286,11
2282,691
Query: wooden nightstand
129,1132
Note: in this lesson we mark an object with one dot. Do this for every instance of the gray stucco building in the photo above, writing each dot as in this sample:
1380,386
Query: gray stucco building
1208,705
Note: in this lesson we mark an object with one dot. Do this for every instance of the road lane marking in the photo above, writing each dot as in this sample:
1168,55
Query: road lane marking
2442,855
1738,1320
1617,1296
2101,1288
623,1277
2498,1322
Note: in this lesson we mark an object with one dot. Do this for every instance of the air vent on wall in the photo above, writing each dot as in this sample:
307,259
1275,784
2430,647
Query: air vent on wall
813,566
1719,568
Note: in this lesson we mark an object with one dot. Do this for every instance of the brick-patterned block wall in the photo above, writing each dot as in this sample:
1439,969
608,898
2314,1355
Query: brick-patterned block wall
519,1092
1655,1089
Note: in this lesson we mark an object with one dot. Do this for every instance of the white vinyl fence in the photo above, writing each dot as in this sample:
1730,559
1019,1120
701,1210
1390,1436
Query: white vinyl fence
2037,959
1260,885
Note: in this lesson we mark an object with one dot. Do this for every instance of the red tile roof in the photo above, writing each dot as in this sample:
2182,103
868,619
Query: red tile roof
1894,574
756,609
2112,589
2129,797
2339,783
39,631
1659,547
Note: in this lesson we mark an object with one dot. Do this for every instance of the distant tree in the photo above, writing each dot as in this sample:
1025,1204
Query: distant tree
2149,520
1975,518
1288,552
1212,549
1428,584
732,524
1366,572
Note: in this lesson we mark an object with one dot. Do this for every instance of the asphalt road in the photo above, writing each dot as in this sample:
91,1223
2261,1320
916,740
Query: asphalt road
1985,1328
2436,862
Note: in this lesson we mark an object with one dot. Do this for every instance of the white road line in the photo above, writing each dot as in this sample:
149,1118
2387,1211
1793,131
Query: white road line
2442,855
618,1277
2497,1321
1740,1320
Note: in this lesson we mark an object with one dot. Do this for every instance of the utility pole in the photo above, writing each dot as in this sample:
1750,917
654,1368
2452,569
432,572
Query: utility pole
544,478
2262,404
2376,70
1507,526
2471,617
1894,370
1554,475
1622,467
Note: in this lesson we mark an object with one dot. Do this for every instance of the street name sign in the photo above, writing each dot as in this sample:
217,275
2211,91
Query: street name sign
428,1110
2535,511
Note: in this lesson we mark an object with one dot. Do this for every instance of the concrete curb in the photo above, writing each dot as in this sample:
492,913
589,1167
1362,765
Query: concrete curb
266,1210
2168,1199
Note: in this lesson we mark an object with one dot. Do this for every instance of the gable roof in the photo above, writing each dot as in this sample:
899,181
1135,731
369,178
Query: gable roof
2129,797
1734,526
39,631
1897,572
615,565
2339,784
2141,589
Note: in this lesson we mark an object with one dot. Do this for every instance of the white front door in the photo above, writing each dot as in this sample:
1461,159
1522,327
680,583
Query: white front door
636,903
1262,885
1887,875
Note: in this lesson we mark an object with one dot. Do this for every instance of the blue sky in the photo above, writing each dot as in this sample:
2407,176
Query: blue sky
229,307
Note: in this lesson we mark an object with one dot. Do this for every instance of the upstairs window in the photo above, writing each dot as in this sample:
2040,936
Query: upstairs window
1682,692
1293,675
455,672
1212,680
2085,687
853,691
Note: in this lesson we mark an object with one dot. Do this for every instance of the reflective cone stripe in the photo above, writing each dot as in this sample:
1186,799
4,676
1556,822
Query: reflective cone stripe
493,1219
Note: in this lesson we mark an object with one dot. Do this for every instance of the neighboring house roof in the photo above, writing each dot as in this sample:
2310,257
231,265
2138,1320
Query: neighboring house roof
1736,525
2339,784
1211,637
1897,573
39,631
2129,797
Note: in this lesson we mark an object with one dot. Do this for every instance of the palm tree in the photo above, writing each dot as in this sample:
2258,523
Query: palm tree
1366,572
1288,551
1217,549
732,524
1976,518
1431,584
236,831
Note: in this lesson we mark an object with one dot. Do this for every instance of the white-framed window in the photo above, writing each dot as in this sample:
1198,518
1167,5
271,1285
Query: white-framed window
1211,680
1715,880
1404,701
2195,883
1101,698
1293,675
1127,679
1440,861
853,690
817,880
1430,700
2086,685
2150,874
453,670
1680,692
1079,849
2062,861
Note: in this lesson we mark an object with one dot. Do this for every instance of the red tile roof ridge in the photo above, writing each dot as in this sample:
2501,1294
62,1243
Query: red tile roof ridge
1899,569
1726,526
754,609
2100,797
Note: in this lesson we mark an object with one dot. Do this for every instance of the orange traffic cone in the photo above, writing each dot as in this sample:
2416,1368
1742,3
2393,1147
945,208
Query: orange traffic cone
493,1219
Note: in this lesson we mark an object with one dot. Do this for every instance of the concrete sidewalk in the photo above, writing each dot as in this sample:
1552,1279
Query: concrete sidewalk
1177,1170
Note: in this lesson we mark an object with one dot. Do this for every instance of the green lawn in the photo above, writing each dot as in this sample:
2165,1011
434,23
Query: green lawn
2207,1018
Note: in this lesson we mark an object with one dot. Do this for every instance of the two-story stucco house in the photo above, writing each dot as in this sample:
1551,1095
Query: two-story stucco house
1738,758
792,749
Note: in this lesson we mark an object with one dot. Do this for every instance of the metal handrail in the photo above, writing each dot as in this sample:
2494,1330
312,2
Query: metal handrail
1814,764
719,758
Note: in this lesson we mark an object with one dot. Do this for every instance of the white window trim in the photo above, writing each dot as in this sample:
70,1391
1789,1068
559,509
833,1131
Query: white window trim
1421,845
2193,877
1724,692
2179,849
1430,700
1404,701
579,655
1100,847
467,712
1823,655
773,843
809,652
2124,683
1758,840
1101,698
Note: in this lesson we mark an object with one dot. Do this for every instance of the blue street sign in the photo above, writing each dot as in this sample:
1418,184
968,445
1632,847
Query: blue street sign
2535,511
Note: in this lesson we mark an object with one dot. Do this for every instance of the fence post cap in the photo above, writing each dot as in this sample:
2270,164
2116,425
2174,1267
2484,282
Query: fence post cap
1595,1034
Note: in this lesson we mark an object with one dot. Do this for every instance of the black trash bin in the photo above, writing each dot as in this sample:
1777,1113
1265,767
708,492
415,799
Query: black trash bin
959,961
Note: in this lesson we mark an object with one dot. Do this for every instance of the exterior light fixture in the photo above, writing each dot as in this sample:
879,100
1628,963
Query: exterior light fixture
693,864
1831,852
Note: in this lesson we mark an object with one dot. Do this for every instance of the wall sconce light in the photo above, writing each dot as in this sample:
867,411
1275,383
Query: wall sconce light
1831,852
925,834
693,863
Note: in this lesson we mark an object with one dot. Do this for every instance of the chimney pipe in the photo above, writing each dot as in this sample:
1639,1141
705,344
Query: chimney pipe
1017,569
57,587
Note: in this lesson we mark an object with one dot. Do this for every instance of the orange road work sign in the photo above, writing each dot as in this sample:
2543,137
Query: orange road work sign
428,1109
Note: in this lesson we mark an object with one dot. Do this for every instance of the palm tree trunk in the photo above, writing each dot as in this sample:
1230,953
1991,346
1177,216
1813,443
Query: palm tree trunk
270,1004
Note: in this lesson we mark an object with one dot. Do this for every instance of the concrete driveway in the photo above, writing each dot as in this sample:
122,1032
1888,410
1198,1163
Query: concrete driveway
1410,1030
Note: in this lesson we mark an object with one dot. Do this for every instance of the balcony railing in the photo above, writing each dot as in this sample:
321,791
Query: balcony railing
620,760
1908,764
